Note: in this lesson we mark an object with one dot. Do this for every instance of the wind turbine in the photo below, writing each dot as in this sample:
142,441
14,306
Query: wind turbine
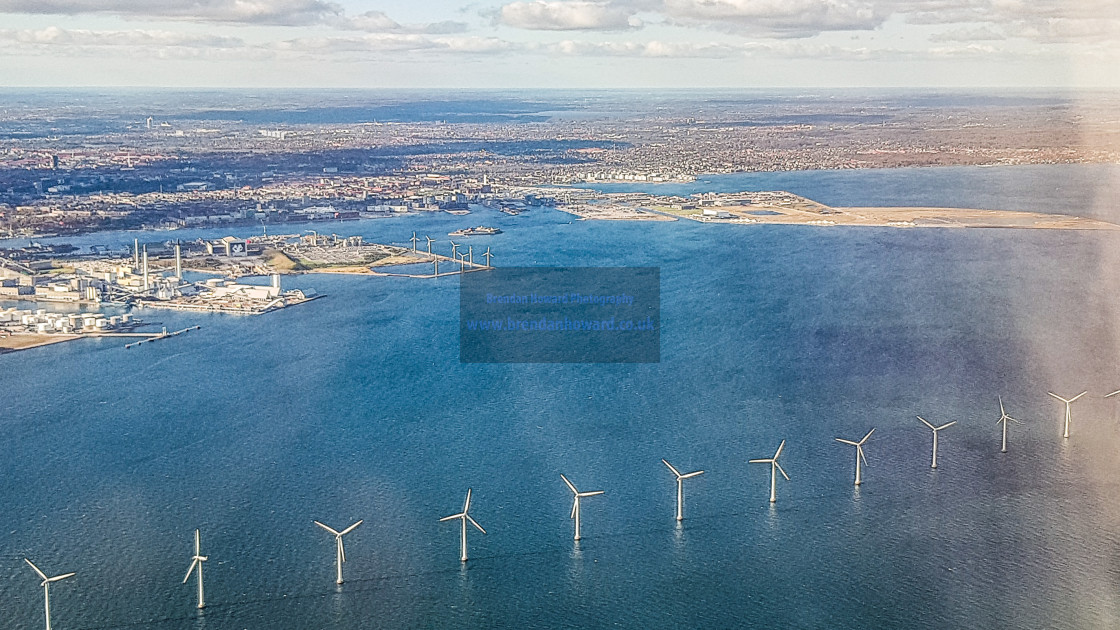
196,561
859,454
935,430
487,254
680,487
470,254
46,584
454,249
575,505
1068,403
775,468
464,517
430,241
1004,418
414,239
340,555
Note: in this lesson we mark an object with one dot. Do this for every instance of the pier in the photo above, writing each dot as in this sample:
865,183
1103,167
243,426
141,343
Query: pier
150,338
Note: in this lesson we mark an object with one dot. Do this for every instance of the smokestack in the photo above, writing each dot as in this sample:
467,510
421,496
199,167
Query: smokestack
276,281
146,285
178,263
136,253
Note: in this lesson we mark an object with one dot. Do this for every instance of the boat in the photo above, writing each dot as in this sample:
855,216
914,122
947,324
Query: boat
476,231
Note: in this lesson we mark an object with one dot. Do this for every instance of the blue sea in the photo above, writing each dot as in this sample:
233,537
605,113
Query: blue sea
356,407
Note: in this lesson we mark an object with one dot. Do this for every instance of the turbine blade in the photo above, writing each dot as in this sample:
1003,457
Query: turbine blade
759,461
349,529
32,565
326,528
61,577
1112,394
675,471
452,517
197,543
859,451
591,494
341,549
847,441
779,467
927,423
1078,396
692,474
475,523
574,504
190,570
1001,411
947,424
573,488
467,503
1057,396
867,436
780,447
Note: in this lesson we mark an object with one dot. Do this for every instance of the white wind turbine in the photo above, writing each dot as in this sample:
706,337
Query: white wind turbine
46,584
775,468
1004,418
464,517
680,487
935,430
575,504
1068,403
340,555
430,241
196,561
488,255
859,454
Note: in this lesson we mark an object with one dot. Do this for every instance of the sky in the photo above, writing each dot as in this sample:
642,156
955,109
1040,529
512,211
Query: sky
561,43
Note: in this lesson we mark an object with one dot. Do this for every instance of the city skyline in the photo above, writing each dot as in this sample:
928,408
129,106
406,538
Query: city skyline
560,43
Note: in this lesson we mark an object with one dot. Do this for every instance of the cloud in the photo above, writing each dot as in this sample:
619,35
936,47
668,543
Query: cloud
379,22
57,37
790,18
978,34
568,15
276,12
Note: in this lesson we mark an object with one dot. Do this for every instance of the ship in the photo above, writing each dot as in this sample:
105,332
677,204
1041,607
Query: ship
476,231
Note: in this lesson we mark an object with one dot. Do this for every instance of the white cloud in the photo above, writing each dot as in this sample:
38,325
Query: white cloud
281,12
779,17
568,15
379,22
58,37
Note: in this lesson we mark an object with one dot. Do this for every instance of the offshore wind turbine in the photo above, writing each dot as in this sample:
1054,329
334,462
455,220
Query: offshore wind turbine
775,468
1004,418
487,254
340,553
196,561
575,504
454,249
680,487
859,453
414,239
1068,403
46,584
430,241
470,254
935,430
464,517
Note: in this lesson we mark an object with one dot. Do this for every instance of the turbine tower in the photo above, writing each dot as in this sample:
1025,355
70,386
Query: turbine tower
775,468
935,430
454,249
340,554
488,255
414,239
196,561
859,454
430,241
46,584
680,487
1004,418
575,504
1068,403
464,517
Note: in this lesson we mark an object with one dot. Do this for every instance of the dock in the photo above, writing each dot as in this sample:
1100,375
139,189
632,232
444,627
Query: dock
150,337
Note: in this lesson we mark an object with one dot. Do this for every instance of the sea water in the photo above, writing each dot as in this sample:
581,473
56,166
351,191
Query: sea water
357,407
